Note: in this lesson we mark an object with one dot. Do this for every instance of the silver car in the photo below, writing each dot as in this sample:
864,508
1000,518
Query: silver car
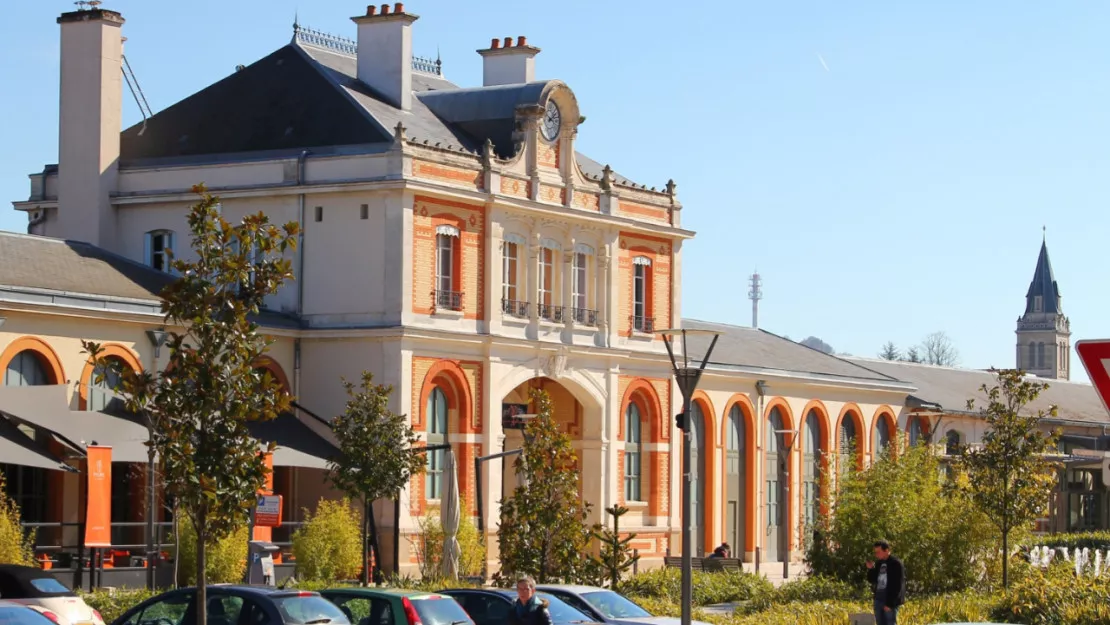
606,606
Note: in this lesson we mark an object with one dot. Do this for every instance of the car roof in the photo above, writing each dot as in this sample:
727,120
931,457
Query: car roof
504,592
573,588
259,589
377,592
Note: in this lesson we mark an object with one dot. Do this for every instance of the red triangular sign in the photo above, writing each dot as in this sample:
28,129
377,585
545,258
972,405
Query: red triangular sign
1095,356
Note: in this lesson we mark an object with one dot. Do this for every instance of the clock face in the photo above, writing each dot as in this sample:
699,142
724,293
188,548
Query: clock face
551,121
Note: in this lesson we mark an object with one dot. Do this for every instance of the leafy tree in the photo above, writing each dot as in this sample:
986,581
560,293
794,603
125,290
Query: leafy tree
544,530
890,352
815,343
376,458
939,534
913,354
937,349
616,558
209,391
225,560
1009,476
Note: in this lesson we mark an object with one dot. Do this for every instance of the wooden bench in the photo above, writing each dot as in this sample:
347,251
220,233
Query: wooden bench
709,565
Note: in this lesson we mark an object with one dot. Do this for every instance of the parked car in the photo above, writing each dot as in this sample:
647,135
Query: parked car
12,613
236,605
490,606
605,606
381,606
37,589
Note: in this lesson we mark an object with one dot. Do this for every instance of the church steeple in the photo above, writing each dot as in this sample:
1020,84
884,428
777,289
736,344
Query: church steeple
1043,332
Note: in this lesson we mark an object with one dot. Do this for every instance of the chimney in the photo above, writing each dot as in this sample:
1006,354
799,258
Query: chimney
508,64
90,118
385,52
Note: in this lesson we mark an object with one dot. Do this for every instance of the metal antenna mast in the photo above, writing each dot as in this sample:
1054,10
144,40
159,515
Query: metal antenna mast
755,294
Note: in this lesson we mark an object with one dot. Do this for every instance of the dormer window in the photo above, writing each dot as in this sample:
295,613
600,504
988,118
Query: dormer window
159,246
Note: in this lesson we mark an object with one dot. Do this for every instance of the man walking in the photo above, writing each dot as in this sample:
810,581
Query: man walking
888,581
528,609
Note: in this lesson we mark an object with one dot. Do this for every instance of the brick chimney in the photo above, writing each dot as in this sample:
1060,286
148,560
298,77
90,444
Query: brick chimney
90,118
508,64
385,52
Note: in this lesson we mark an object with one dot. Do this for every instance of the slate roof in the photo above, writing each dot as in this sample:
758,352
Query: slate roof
741,346
951,387
305,96
34,262
1044,285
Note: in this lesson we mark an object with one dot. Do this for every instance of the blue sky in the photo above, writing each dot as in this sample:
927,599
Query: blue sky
899,191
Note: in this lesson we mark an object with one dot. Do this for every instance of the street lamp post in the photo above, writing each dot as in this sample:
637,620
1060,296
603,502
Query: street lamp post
687,378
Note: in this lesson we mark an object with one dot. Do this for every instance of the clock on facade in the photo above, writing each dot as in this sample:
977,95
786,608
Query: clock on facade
551,121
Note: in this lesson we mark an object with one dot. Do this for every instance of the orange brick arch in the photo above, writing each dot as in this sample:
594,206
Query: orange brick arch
643,394
450,378
48,358
269,364
852,411
708,461
751,452
787,424
108,350
883,414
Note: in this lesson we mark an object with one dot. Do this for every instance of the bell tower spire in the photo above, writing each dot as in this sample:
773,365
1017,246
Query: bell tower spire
1043,331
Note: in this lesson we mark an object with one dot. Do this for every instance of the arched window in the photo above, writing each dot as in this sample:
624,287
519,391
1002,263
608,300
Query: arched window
811,470
1040,355
633,440
953,443
26,369
775,485
735,502
436,415
101,393
849,442
882,435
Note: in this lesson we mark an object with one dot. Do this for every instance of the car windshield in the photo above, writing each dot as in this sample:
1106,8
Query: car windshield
439,610
613,605
309,610
561,612
19,615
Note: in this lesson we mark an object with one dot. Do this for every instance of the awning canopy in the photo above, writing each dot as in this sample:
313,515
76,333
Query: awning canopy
18,448
46,407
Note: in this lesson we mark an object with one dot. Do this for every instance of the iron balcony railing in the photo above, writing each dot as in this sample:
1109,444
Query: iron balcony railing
584,316
448,300
552,313
643,324
514,308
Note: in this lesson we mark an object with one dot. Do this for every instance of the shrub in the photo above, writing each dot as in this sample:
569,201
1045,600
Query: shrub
329,545
1055,596
429,545
1091,540
113,603
225,561
709,588
939,535
15,548
808,590
816,613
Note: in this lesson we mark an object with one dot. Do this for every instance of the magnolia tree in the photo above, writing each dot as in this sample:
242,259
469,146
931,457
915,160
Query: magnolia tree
376,456
210,389
1009,476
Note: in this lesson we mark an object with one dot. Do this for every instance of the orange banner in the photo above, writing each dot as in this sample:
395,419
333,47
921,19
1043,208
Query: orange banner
262,532
98,511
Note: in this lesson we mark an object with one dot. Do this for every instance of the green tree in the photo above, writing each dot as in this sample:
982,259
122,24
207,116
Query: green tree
1009,476
376,457
890,351
544,530
939,534
208,392
616,558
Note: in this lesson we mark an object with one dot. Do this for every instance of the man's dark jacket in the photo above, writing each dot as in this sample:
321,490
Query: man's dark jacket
532,613
895,581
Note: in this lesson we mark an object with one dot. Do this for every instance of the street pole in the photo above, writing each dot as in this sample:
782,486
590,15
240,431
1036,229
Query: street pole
687,516
687,377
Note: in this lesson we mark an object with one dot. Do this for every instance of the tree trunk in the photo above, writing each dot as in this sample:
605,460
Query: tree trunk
1006,558
365,542
202,578
375,547
176,546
